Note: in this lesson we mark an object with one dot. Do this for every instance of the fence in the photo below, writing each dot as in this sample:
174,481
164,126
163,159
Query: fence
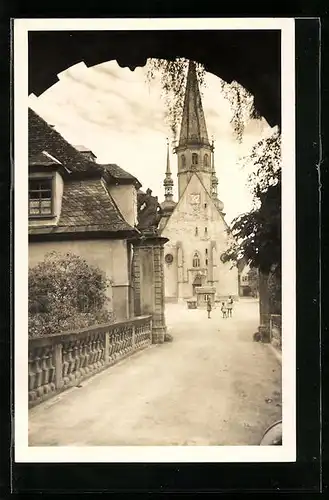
57,362
276,330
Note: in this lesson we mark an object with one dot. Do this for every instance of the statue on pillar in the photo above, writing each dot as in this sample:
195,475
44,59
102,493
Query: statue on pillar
149,212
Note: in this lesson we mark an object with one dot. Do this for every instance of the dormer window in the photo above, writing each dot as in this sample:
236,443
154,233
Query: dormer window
41,197
194,159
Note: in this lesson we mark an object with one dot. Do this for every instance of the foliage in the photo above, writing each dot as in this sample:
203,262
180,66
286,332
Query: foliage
173,75
173,81
65,293
253,281
258,232
242,106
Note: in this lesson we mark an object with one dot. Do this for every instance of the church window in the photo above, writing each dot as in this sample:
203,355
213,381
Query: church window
205,205
206,262
205,230
206,251
206,160
183,161
41,197
194,159
196,231
196,260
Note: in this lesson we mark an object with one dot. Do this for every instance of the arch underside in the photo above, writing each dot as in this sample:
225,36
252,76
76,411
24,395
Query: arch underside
252,58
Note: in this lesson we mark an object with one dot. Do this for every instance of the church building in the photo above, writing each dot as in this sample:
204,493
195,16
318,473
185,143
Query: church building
195,226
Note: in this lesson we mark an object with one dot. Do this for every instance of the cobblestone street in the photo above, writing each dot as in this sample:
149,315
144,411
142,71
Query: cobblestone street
211,386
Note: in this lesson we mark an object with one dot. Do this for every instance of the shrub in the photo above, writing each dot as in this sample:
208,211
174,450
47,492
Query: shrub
66,293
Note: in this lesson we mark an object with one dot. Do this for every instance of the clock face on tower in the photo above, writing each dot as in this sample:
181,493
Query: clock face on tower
194,199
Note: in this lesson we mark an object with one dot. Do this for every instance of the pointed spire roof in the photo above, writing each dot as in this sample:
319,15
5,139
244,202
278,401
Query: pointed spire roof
168,171
193,127
168,205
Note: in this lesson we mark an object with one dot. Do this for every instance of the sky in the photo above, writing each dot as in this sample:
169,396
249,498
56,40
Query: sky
121,117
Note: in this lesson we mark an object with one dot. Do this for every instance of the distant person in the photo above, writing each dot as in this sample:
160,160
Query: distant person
209,307
229,307
224,310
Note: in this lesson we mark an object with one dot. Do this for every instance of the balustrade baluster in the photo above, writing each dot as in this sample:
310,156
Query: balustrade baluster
38,371
88,355
65,364
45,370
51,368
70,371
32,378
83,357
77,359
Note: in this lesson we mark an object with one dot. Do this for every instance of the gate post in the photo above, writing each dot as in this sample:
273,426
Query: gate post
149,283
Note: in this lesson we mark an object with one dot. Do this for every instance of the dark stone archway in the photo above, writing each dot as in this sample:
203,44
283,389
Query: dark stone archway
252,58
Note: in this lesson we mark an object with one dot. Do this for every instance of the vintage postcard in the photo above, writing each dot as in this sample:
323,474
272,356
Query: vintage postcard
154,240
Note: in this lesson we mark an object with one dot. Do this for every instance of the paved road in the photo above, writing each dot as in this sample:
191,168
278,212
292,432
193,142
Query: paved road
211,386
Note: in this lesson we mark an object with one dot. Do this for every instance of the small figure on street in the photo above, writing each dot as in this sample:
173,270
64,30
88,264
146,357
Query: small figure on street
209,307
229,306
224,310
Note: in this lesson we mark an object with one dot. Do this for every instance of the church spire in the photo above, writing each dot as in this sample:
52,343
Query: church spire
193,126
168,182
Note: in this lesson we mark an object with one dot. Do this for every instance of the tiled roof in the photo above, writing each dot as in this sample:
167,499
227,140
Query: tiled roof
86,206
43,159
118,173
42,137
83,149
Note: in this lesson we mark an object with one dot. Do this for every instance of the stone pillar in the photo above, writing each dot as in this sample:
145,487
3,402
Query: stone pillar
149,283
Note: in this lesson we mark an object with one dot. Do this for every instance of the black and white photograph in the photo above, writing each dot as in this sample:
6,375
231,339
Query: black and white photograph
154,240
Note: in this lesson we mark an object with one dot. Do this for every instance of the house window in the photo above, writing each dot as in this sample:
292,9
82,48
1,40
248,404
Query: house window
194,159
196,260
206,160
40,197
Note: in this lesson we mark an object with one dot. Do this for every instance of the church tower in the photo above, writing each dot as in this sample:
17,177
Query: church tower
194,151
195,226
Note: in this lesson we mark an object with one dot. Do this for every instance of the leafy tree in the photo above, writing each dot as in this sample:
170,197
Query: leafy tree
258,232
65,293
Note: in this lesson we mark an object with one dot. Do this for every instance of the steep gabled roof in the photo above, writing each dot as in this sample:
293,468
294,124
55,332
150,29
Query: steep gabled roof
42,137
165,220
120,175
193,126
86,207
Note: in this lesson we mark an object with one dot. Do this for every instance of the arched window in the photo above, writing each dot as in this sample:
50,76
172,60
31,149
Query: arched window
183,161
205,160
196,260
196,231
194,159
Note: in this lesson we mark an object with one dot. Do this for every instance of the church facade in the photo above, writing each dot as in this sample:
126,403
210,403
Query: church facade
195,226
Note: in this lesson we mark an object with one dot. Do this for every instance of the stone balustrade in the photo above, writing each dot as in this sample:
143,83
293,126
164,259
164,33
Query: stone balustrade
57,362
